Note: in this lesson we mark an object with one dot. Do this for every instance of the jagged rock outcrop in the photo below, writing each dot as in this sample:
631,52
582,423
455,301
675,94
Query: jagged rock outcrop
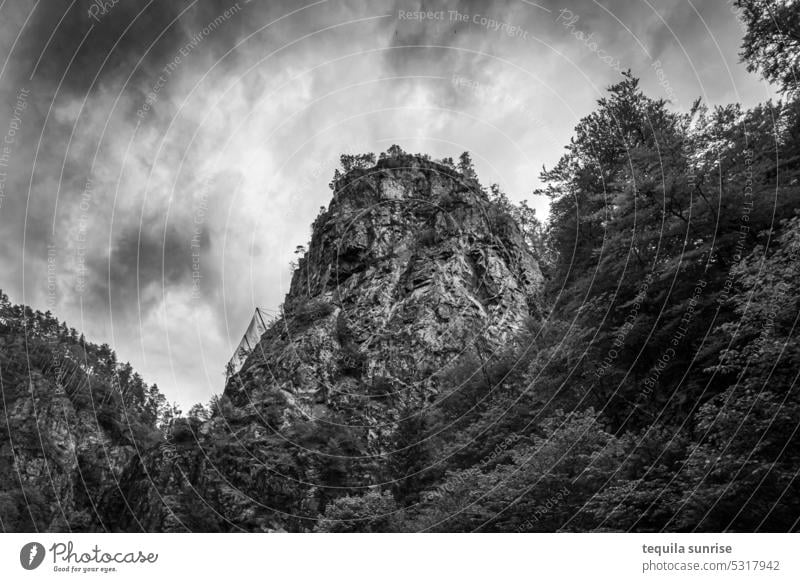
410,268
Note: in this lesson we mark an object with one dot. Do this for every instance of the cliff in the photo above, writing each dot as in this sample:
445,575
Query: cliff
411,268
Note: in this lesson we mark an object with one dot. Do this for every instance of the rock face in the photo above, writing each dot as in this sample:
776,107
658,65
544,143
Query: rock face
65,435
52,446
410,268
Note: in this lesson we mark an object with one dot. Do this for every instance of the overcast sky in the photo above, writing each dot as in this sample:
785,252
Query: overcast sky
148,143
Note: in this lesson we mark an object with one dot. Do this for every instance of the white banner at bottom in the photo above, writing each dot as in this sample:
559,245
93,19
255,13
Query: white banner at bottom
390,557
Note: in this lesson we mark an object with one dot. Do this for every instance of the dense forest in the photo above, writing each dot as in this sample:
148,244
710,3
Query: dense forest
653,386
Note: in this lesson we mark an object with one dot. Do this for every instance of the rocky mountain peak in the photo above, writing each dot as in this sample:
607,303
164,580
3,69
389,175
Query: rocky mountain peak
410,269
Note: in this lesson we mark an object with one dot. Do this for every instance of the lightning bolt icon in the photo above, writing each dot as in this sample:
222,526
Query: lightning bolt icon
34,551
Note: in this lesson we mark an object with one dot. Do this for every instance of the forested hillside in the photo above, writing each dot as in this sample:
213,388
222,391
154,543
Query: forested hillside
71,419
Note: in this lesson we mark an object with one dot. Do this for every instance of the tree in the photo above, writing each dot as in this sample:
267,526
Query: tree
372,512
394,151
466,167
536,234
766,308
610,175
353,161
742,474
410,458
199,413
744,466
334,183
771,45
330,451
542,485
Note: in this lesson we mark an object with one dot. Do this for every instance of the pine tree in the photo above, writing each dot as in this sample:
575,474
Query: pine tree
465,166
411,456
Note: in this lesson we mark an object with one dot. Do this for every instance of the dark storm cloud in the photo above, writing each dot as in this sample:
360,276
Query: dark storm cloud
73,40
68,54
140,258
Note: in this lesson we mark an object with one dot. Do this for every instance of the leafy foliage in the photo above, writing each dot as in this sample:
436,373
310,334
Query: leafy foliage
372,512
772,43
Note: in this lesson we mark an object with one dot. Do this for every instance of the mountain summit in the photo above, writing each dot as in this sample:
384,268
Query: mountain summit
411,269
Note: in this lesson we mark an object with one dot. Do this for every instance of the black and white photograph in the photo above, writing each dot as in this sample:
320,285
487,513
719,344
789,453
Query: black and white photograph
450,267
